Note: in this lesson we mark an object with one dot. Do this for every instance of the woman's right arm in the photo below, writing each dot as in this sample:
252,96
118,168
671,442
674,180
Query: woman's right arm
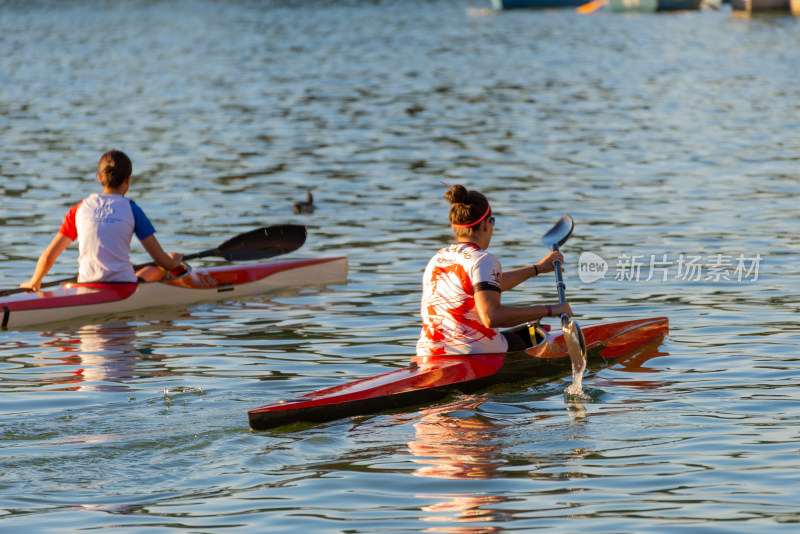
166,261
493,314
58,245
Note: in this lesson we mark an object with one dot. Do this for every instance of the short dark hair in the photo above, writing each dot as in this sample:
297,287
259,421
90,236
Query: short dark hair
114,168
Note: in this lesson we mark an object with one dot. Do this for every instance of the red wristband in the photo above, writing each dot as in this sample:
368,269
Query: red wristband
549,310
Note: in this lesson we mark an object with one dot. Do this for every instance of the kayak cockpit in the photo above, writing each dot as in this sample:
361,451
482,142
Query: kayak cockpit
532,334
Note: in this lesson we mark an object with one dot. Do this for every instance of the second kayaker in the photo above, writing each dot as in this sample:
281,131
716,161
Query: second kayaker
104,223
462,285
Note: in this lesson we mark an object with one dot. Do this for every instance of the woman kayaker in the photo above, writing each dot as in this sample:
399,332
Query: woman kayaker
104,223
462,285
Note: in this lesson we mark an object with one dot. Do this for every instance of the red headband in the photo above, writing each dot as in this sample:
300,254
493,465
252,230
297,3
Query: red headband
488,211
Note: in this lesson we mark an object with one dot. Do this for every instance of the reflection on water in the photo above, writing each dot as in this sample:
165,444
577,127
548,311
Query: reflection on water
456,443
466,440
465,509
630,370
95,357
658,134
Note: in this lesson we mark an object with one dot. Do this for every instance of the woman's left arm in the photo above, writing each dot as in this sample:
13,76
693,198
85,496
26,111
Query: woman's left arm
512,279
493,314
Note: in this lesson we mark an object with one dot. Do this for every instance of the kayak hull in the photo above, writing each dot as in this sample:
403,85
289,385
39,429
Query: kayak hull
432,378
192,287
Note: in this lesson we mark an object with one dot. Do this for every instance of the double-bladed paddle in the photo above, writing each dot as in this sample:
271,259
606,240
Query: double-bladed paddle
257,244
576,344
261,243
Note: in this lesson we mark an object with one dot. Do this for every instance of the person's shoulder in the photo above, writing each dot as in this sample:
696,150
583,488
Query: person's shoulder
134,206
485,257
444,250
82,203
482,253
79,203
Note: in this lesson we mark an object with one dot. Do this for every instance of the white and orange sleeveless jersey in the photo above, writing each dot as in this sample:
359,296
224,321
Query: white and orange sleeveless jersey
450,322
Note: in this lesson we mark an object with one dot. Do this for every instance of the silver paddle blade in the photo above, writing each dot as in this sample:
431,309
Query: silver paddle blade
559,233
576,345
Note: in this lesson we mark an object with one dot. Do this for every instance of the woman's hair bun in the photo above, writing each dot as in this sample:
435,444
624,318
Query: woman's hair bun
457,194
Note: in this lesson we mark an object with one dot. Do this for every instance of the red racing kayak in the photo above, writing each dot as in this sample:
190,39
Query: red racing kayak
193,286
431,378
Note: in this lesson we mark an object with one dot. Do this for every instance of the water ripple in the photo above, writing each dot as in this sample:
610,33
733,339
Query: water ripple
661,135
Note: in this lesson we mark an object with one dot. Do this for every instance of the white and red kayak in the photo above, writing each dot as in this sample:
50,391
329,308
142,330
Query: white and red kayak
193,286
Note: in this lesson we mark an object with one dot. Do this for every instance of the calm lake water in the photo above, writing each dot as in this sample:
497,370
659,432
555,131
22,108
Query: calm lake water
670,138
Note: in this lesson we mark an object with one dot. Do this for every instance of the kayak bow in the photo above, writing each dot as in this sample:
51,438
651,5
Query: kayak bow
431,378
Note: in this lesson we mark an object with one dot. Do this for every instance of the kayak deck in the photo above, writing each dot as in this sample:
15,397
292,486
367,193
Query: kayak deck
431,378
193,287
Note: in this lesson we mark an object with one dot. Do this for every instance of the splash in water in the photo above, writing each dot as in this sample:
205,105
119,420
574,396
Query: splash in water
576,387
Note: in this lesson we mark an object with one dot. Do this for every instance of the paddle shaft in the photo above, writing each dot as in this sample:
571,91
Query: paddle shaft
186,257
576,344
560,286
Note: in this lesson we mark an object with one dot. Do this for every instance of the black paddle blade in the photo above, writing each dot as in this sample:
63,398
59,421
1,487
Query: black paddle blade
559,233
263,243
